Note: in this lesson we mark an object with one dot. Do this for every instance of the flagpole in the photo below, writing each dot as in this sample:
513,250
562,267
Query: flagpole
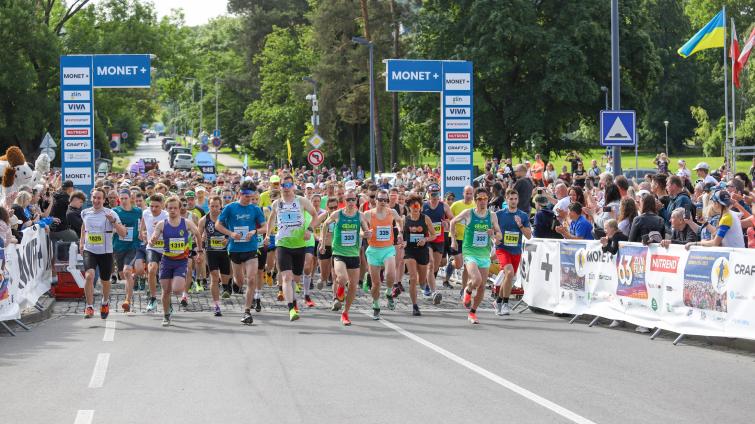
733,165
726,94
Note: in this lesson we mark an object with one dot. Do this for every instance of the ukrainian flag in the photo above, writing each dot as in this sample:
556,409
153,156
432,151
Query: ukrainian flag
710,37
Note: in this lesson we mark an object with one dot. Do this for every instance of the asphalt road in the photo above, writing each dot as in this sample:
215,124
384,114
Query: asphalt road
151,148
437,368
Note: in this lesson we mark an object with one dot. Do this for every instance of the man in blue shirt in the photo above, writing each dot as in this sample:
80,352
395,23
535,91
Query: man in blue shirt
241,221
579,227
515,224
125,248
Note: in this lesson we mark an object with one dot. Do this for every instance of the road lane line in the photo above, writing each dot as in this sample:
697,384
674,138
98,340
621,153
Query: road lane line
109,331
576,418
100,369
84,416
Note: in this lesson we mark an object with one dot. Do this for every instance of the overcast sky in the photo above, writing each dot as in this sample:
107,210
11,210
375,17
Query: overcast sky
196,12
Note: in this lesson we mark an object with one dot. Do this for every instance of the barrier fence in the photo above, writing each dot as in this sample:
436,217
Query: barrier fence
703,291
29,273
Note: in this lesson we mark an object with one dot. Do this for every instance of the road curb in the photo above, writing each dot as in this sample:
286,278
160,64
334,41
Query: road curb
33,315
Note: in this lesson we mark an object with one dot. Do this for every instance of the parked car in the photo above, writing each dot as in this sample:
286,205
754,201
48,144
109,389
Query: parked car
175,150
168,145
638,174
164,140
183,161
150,164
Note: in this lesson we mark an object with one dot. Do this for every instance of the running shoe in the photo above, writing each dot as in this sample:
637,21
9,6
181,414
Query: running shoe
258,305
320,284
226,294
199,287
104,311
308,301
375,310
311,285
126,306
340,292
427,292
494,291
217,311
184,301
247,319
293,314
152,305
447,285
345,319
89,312
336,305
297,288
437,297
472,317
398,288
280,296
330,283
296,306
389,298
505,309
166,321
467,300
498,307
415,311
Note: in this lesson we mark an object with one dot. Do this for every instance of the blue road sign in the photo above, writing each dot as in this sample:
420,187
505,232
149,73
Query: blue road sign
216,133
618,128
217,142
191,132
122,71
205,138
414,75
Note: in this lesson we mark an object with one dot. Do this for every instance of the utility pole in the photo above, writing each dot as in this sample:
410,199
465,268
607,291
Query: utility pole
615,77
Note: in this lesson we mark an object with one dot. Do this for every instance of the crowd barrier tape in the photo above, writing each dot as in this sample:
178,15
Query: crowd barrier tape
29,272
704,291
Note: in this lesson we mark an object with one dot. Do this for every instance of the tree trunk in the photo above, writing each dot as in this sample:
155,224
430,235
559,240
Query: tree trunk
394,96
376,114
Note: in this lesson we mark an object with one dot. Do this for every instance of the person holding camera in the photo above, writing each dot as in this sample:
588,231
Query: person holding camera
681,232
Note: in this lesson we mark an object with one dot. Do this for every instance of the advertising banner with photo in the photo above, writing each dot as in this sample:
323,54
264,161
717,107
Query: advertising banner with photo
703,291
29,265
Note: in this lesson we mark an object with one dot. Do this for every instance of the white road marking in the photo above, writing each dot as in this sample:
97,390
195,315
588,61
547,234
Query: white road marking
100,369
84,416
576,418
109,331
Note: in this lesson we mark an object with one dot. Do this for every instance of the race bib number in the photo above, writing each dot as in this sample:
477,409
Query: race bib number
243,231
129,234
176,245
437,227
349,238
217,242
383,233
159,243
511,238
480,239
415,237
96,238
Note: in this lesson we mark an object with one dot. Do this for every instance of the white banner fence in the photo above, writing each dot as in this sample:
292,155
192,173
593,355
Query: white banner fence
703,291
29,273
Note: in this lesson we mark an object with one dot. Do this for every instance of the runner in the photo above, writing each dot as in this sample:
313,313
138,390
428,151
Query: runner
325,251
191,284
439,213
456,208
150,219
347,223
176,234
312,245
96,246
381,252
288,215
140,258
126,247
215,244
482,225
241,221
513,224
418,231
200,269
400,208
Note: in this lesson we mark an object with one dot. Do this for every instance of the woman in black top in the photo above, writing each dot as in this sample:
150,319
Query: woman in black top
418,231
647,221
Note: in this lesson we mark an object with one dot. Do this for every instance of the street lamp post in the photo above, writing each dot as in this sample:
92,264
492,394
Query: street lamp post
615,77
315,106
604,89
665,123
217,117
365,42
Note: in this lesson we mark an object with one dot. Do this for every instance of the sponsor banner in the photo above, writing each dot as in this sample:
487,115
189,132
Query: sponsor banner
458,148
76,95
458,178
458,81
458,124
73,120
458,112
457,100
80,176
73,144
29,265
76,107
707,292
458,136
77,132
75,76
77,156
458,159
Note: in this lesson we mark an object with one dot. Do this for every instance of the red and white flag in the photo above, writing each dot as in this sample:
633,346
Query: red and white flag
742,59
736,67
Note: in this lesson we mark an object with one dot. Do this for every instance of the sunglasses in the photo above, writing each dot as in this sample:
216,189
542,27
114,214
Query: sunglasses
415,206
351,199
372,196
435,194
227,197
287,185
482,198
382,199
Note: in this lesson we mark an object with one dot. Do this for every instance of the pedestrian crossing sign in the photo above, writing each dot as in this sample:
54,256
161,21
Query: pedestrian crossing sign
618,128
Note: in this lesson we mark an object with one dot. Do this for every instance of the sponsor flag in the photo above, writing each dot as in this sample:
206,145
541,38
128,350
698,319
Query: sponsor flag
742,59
288,146
711,36
736,67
